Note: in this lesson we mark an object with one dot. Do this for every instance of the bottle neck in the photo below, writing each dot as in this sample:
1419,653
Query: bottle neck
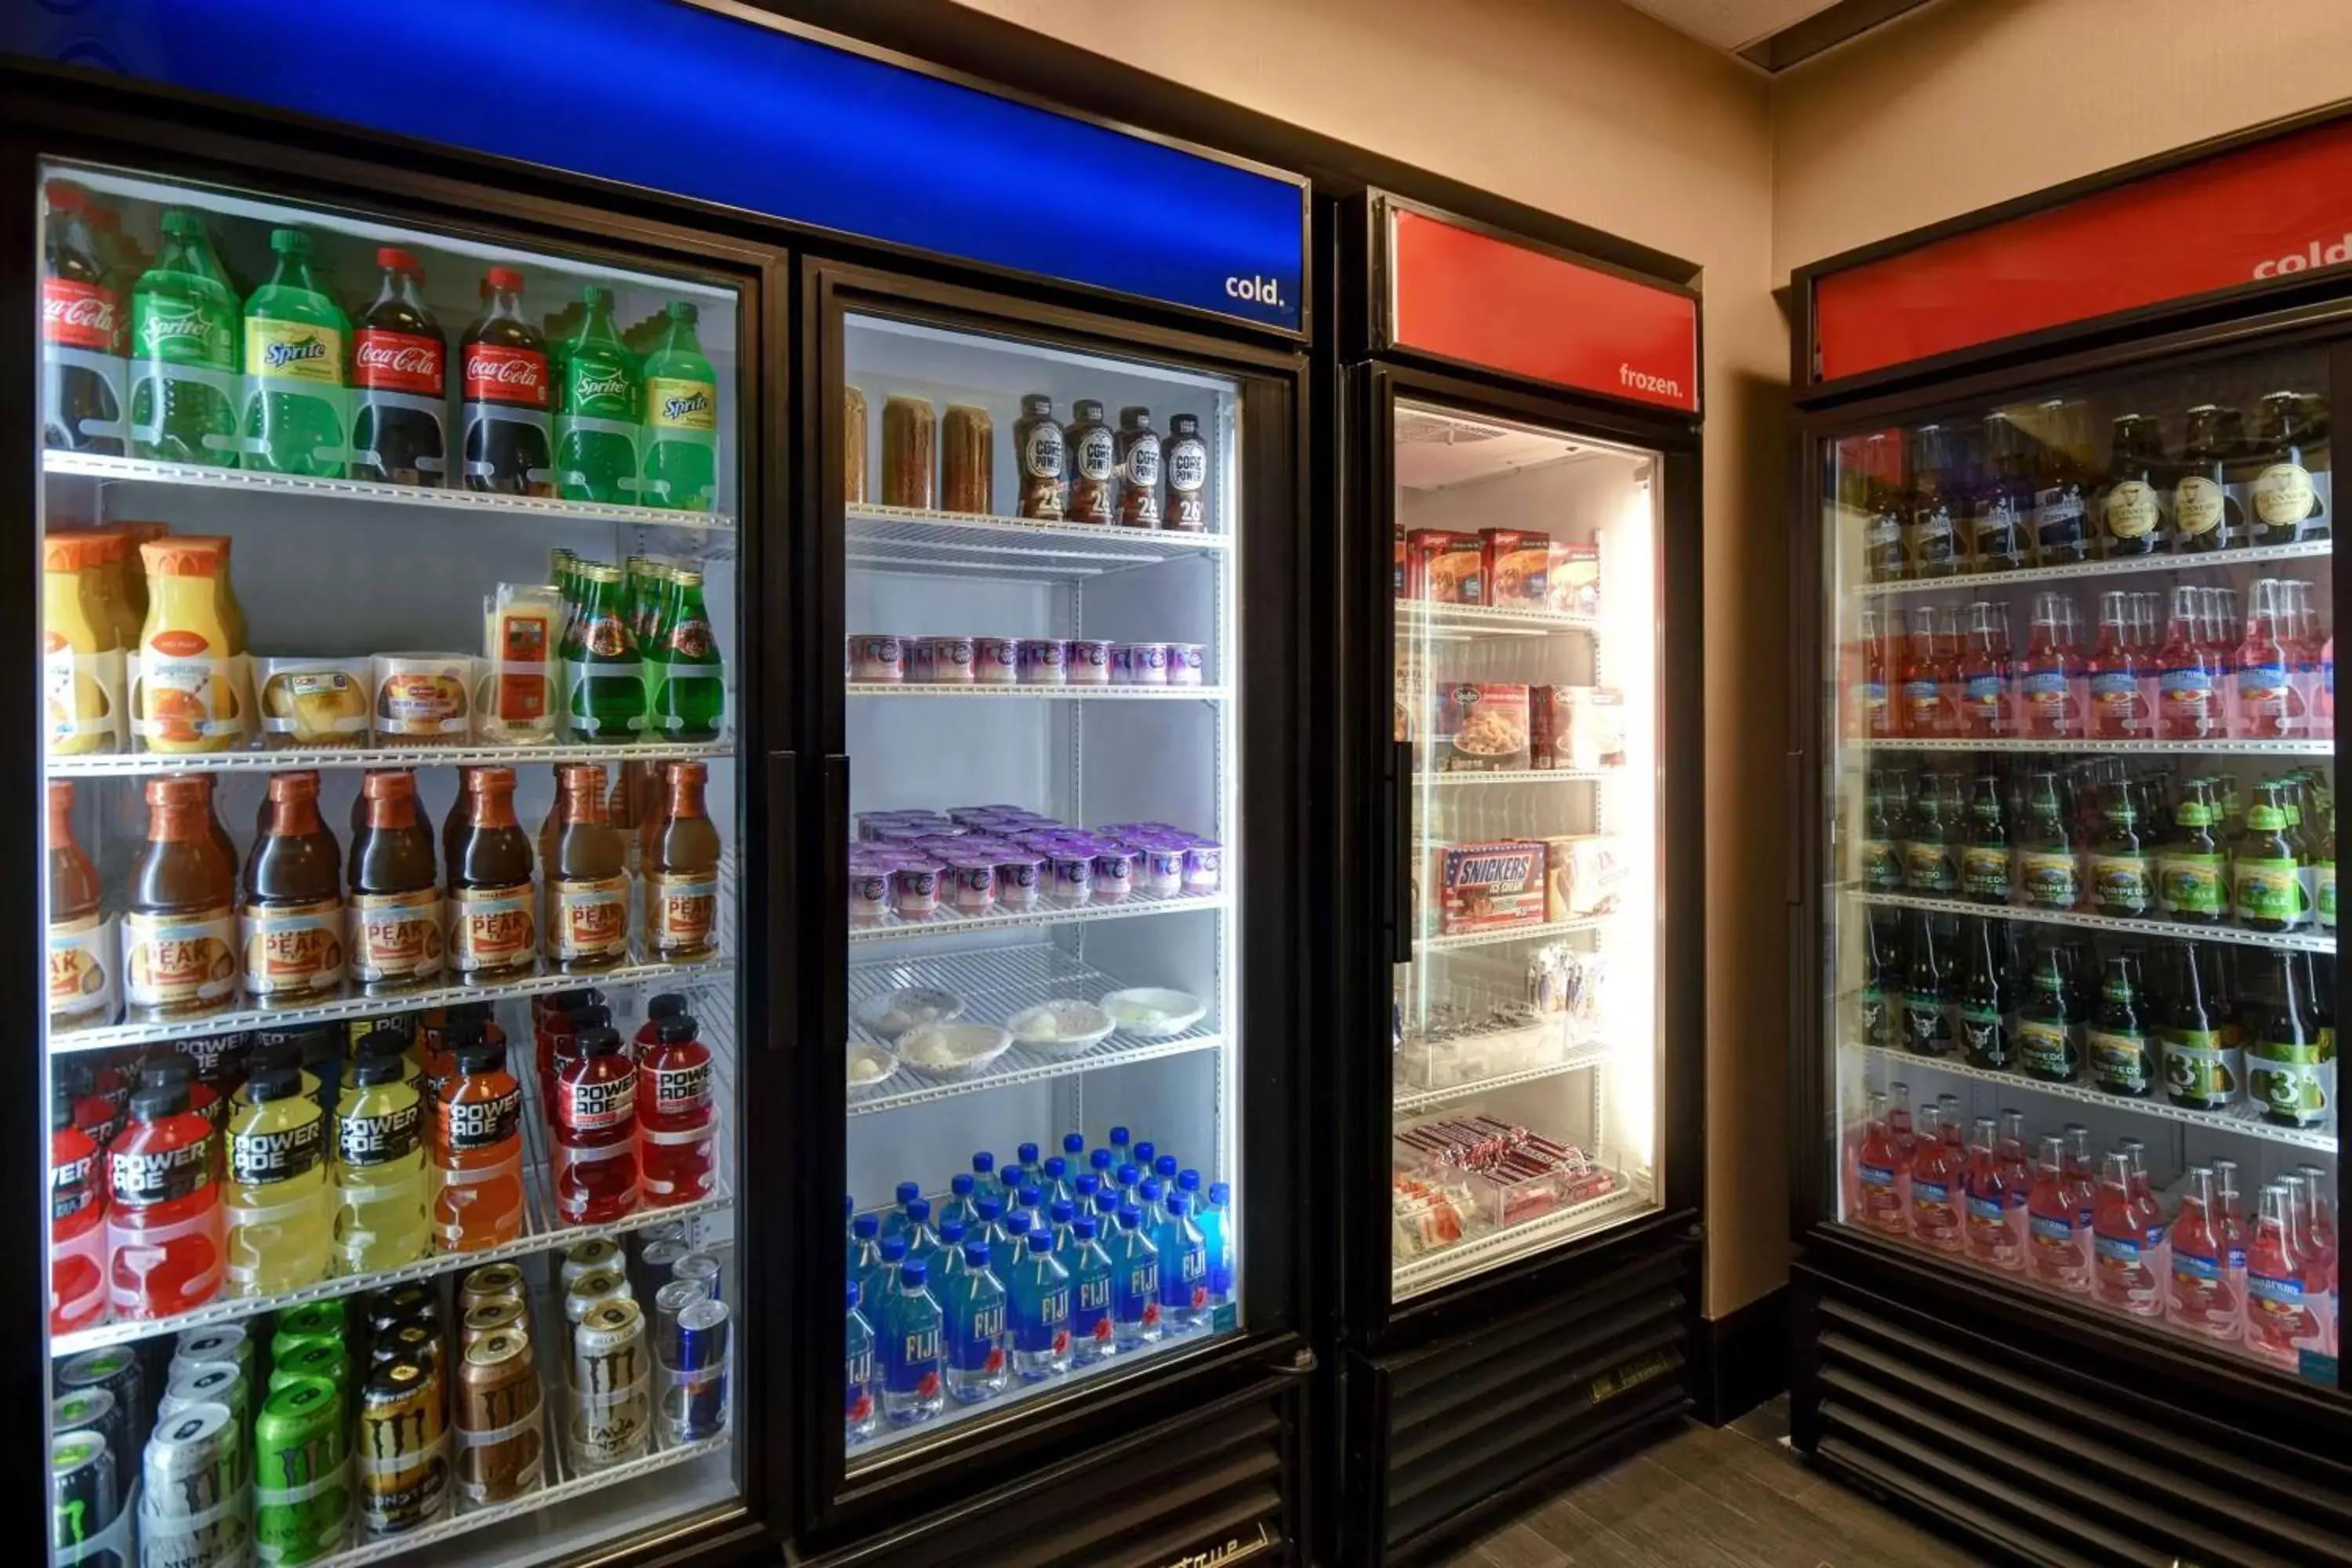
391,813
686,799
294,818
491,807
181,822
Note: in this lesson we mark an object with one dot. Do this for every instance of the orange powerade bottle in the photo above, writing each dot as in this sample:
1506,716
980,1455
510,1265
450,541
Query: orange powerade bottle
478,1150
164,1204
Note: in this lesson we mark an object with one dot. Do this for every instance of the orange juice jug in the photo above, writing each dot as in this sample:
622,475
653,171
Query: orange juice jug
81,662
187,697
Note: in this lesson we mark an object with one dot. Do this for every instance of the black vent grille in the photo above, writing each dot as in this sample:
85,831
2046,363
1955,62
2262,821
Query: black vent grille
2056,1459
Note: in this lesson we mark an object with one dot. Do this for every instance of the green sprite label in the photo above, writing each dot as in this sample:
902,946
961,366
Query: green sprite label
2191,884
2200,1067
1984,872
2051,877
2119,1062
2121,882
2269,890
182,331
2294,1084
2046,1048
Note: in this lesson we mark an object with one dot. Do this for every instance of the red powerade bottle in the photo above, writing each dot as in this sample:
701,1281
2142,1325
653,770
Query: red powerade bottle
661,1008
564,1049
77,1222
678,1119
164,1204
509,413
596,1131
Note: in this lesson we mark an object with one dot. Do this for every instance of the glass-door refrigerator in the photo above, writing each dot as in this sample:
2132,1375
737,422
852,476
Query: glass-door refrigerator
2068,1089
1056,1159
1526,1108
387,667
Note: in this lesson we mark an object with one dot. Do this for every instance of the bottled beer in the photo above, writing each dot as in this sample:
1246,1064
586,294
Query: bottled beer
1984,858
2292,446
1879,490
1931,538
2048,1020
1926,1012
2118,1042
2061,531
2047,869
1983,1007
1986,708
2122,882
2188,866
1879,1007
2266,879
1882,862
2289,1072
2131,517
1929,867
2001,521
2202,1069
2206,515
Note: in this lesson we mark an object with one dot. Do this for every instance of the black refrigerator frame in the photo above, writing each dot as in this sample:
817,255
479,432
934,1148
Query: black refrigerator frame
1595,1334
1883,1336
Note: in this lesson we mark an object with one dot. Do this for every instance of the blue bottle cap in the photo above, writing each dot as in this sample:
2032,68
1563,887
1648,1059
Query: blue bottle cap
1143,1152
989,1208
975,1253
1128,1175
894,1248
959,1185
915,1275
918,1210
1084,1228
1221,1193
1151,1189
1189,1179
1164,1167
1129,1216
1074,1144
1101,1160
1031,1197
853,1295
983,1164
1026,1153
951,1233
848,1204
1119,1137
1087,1185
1016,1222
1107,1202
1178,1203
908,1191
1062,1210
866,1227
1058,1169
1040,1242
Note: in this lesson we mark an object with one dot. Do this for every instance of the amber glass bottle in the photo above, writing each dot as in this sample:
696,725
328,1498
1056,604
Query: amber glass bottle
294,933
396,905
681,872
587,880
493,925
82,962
179,939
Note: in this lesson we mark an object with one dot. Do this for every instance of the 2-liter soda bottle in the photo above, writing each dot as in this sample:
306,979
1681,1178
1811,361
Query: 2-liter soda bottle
680,464
599,395
400,368
185,352
296,416
508,408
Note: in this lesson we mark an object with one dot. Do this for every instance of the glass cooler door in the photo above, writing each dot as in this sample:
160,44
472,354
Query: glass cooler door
392,1055
1043,1070
1526,1051
2080,963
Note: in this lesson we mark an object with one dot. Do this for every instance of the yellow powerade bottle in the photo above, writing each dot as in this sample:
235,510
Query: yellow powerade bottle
275,1208
382,1197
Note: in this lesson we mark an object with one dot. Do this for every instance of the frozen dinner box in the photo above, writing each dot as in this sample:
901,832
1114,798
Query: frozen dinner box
1482,727
1444,567
1516,563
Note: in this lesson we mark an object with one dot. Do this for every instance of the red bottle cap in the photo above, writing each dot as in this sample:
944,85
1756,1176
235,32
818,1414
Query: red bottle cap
396,258
505,277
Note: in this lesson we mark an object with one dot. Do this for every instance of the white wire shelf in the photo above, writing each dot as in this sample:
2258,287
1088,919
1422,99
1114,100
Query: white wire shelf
952,922
133,763
2243,1120
932,544
1579,1059
1049,693
1509,933
1475,1253
2258,555
996,984
1486,619
142,470
715,971
2299,941
2214,748
1518,776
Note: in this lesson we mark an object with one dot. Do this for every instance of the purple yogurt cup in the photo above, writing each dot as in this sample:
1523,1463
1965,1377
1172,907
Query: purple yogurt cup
1185,662
915,888
870,889
996,661
1164,868
1043,661
1138,664
1019,879
1114,871
1204,866
952,661
1073,872
877,656
975,885
1089,662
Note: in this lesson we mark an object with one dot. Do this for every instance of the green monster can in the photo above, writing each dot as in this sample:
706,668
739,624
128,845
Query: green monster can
680,449
318,1361
315,1323
301,1472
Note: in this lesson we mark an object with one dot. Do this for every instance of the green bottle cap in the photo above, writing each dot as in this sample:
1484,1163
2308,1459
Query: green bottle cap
682,311
2266,819
289,242
2194,814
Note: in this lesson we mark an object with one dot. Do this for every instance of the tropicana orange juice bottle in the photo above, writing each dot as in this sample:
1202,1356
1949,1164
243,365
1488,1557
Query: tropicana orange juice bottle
81,663
187,700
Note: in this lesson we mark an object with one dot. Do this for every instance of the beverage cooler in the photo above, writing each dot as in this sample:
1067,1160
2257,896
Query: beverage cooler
1521,577
2065,1032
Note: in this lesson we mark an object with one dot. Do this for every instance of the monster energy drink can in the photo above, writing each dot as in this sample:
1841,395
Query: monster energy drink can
502,1431
593,1289
326,1363
83,1492
116,1370
193,1506
490,1282
588,1256
315,1323
612,1404
402,1460
302,1482
94,1410
195,1383
226,1342
502,1316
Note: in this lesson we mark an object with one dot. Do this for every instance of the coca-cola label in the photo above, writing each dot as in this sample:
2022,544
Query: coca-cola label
496,373
151,1176
365,1140
259,1159
469,1124
679,1090
397,361
593,1105
78,315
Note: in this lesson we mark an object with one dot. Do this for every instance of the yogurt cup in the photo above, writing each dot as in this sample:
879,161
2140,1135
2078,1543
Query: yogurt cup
918,657
1114,872
1043,661
1204,866
915,888
1019,879
968,815
1185,662
995,661
975,885
1138,664
1163,868
870,889
952,661
1073,872
877,656
1089,662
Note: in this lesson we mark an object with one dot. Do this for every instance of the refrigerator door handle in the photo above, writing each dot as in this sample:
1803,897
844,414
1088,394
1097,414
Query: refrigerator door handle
1398,804
782,872
833,980
1792,837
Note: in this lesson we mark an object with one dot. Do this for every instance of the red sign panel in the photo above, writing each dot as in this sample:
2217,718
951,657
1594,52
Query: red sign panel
1488,302
2278,209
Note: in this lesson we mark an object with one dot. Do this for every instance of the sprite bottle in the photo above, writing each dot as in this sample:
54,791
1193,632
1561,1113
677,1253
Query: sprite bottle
606,680
295,335
598,393
183,351
681,425
689,693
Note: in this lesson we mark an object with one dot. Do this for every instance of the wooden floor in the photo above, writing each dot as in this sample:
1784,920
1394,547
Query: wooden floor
1736,1497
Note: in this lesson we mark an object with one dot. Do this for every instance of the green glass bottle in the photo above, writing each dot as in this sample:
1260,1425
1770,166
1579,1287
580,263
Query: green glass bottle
1984,858
2190,883
604,680
691,700
680,466
2123,884
295,408
2265,877
2046,864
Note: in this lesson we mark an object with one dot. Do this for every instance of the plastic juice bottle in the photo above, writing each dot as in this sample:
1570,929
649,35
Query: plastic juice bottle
1093,1335
974,1308
2119,711
2203,1300
82,962
604,680
493,908
163,1206
1040,1312
77,1222
280,1231
668,1004
185,352
684,675
678,1117
2050,708
596,1132
179,939
81,660
2267,705
858,1412
2057,1246
681,875
681,462
1991,1238
911,1321
186,699
479,1154
396,901
2280,1323
598,396
294,931
380,1192
297,413
587,882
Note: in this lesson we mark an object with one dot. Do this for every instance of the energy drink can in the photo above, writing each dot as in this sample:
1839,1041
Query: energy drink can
592,1289
694,1403
326,1363
412,1341
490,1282
314,1322
669,1302
116,1370
409,1303
701,1268
656,1266
219,1383
502,1316
93,1410
612,1415
598,1254
84,1493
301,1471
192,1501
226,1342
403,1458
502,1430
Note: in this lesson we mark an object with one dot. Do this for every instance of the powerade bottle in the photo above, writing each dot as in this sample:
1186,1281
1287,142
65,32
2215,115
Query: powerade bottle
680,441
1217,1238
382,1216
1134,1282
975,1317
1040,1292
1092,1335
598,396
1183,1270
296,411
858,1415
184,350
911,1390
162,1205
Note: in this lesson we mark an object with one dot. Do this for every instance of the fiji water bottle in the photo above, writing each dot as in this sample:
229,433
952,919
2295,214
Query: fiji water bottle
1164,1168
1062,1218
958,1206
984,1184
1056,1180
1092,1336
857,1413
1103,1165
948,1260
1121,1144
1030,1200
1183,1270
975,1309
1148,1194
894,1221
1011,1246
1106,1212
1134,1283
1023,1172
865,1248
877,1278
1188,1181
1085,1190
1145,1153
910,1348
1218,1240
1041,1313
1073,1150
1131,1177
922,1241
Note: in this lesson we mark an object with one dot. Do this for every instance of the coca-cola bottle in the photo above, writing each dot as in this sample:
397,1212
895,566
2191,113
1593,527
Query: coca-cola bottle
400,366
509,427
81,355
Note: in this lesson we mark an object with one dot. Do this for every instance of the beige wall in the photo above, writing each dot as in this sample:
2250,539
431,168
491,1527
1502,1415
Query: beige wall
1968,102
1590,110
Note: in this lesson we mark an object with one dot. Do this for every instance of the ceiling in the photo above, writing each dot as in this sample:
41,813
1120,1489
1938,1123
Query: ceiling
1773,34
